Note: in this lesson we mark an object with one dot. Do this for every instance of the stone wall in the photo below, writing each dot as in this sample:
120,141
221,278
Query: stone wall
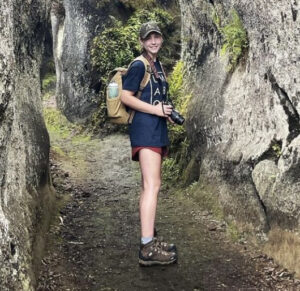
25,194
74,25
244,124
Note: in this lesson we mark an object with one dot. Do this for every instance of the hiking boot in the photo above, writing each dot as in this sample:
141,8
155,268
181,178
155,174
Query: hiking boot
171,248
152,254
165,246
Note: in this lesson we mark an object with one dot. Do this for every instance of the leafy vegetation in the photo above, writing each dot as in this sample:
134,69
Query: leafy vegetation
58,125
118,45
235,38
179,145
48,85
180,98
170,170
48,81
276,147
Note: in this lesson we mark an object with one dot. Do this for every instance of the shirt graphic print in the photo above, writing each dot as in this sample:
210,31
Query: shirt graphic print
147,129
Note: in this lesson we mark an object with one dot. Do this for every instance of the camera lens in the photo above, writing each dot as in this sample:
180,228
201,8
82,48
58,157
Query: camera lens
176,117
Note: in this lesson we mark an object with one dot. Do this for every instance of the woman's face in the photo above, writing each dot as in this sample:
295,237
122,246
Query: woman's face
152,43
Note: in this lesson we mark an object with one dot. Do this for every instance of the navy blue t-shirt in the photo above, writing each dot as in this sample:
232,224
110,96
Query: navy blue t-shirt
147,129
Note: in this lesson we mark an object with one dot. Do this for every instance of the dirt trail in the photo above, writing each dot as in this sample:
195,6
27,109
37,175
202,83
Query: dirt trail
94,243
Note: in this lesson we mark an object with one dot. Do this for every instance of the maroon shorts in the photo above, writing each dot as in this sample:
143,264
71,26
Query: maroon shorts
160,150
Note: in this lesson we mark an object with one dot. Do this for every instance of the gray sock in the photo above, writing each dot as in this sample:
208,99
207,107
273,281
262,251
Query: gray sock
145,240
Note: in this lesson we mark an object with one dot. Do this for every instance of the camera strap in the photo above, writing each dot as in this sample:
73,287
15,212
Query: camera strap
157,77
151,62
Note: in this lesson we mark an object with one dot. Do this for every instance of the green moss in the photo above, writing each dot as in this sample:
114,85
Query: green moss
216,19
98,118
46,96
235,39
206,197
233,232
276,147
48,86
48,81
58,150
58,125
191,172
81,138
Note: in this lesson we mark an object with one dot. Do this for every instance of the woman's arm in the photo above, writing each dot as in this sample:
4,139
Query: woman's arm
133,102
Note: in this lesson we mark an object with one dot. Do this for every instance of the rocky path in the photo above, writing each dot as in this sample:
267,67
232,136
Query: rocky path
93,243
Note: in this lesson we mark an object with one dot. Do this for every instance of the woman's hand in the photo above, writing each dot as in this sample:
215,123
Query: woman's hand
170,120
163,110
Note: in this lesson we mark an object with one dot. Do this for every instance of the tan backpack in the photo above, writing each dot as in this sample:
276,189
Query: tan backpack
116,110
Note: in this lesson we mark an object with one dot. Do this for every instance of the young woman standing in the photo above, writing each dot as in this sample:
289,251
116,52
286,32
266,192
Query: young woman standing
149,140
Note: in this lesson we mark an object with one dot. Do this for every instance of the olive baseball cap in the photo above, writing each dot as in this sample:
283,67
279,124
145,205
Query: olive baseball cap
147,28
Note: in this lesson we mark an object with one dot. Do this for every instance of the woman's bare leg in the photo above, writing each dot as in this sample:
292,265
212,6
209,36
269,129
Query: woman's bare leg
150,164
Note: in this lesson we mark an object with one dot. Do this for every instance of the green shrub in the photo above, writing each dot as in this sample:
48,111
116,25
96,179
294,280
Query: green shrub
179,144
48,81
235,39
180,98
48,86
170,170
118,45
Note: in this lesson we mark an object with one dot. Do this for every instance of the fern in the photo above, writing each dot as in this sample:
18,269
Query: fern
235,39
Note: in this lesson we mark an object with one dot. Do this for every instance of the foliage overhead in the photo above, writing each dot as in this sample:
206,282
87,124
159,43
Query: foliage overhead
118,45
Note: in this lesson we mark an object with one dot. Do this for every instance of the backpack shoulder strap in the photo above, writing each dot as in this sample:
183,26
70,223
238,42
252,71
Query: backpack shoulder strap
144,81
147,74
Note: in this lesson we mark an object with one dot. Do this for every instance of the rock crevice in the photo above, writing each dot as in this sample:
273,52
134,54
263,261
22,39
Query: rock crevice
289,109
247,116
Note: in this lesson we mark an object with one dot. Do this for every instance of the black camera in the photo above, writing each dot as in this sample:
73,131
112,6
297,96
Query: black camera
175,115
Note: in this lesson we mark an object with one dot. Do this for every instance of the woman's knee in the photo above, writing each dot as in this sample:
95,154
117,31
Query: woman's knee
151,185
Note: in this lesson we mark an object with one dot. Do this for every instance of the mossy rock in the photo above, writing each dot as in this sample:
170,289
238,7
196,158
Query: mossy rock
191,173
235,38
206,196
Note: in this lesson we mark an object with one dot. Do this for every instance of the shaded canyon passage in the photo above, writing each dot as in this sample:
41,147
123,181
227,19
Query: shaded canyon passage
95,244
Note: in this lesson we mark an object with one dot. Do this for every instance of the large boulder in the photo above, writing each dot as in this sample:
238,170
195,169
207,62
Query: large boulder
74,25
25,193
245,122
